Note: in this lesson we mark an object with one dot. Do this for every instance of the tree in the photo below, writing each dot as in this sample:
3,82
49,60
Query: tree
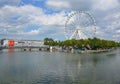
49,41
90,43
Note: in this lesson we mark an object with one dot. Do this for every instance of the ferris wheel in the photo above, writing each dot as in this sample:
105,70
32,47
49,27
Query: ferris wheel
80,25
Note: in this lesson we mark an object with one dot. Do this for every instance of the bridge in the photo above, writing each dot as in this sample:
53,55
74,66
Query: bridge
26,48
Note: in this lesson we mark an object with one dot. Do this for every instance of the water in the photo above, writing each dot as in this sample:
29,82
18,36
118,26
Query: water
59,68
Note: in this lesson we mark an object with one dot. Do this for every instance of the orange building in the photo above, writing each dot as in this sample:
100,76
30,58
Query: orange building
11,42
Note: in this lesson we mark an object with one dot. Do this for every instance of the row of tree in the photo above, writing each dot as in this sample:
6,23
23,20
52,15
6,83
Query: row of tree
90,43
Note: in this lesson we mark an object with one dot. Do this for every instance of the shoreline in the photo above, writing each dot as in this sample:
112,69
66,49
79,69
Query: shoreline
89,51
13,49
97,51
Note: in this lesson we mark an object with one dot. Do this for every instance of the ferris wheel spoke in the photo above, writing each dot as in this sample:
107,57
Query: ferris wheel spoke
88,30
80,24
70,27
86,25
87,34
72,24
86,22
78,19
75,20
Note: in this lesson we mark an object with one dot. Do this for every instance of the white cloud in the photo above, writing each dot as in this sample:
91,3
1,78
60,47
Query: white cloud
33,32
112,17
105,4
116,37
86,5
111,31
58,4
70,4
29,15
17,19
30,33
55,19
118,31
100,33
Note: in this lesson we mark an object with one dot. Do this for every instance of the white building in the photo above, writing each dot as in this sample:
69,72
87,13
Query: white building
19,43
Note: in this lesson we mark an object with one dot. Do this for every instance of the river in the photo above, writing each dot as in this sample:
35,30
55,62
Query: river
59,67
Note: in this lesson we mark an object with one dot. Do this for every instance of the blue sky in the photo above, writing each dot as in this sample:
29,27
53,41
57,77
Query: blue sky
37,19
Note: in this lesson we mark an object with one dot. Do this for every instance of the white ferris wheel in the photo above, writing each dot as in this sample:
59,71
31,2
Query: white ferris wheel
80,25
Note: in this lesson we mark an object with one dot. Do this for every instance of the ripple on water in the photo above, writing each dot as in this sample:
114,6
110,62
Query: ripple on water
59,68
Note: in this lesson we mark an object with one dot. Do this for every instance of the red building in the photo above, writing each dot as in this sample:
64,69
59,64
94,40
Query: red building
11,43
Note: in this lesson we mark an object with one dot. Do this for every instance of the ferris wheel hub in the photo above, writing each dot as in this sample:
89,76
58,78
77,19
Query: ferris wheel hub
78,27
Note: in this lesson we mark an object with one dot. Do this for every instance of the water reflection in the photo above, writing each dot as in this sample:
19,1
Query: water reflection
111,55
95,60
11,50
59,68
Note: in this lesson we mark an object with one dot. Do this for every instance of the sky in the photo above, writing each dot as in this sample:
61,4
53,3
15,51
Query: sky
38,19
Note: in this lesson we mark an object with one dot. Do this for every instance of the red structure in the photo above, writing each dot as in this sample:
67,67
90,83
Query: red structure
11,43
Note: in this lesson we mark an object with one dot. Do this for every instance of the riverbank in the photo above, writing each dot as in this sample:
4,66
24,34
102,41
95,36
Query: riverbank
54,49
88,51
97,51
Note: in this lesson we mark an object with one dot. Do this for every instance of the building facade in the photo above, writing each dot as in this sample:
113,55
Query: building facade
20,43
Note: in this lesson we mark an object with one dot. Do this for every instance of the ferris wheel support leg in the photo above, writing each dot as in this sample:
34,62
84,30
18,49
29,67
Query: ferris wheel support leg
81,35
73,35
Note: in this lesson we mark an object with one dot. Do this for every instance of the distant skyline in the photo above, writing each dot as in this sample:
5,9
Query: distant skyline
38,19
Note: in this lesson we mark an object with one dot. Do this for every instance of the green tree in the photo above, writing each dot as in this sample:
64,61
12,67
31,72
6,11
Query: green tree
49,41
